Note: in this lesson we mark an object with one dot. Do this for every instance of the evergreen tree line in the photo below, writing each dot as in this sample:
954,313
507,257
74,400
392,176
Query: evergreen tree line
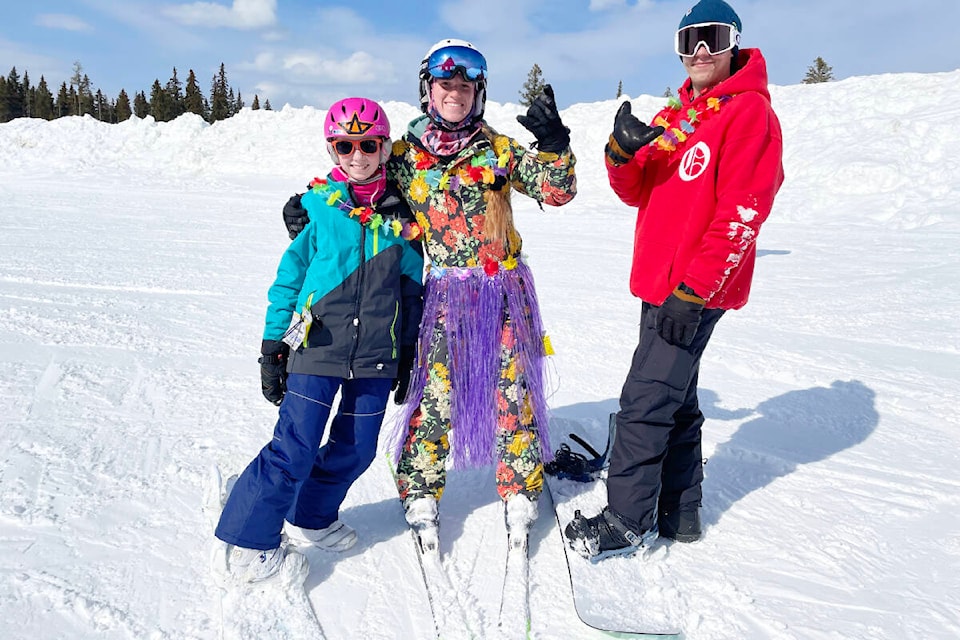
20,99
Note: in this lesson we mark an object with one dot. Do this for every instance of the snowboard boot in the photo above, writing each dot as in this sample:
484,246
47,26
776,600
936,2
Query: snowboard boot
337,537
240,565
421,514
681,523
604,535
519,513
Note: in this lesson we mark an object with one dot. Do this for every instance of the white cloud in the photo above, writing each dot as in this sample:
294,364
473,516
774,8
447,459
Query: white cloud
600,5
359,67
62,21
242,14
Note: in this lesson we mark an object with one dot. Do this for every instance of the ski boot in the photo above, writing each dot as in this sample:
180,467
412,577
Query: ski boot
337,537
423,518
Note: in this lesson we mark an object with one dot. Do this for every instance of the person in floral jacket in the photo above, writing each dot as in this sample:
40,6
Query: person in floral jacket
476,391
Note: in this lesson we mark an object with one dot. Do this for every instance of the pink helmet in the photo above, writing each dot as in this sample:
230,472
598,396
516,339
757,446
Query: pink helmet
355,117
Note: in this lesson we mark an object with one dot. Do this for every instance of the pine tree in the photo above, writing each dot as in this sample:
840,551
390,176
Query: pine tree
266,105
220,96
3,99
62,104
43,101
75,81
14,99
533,86
818,72
101,107
26,96
255,106
159,102
620,88
141,108
74,100
123,106
238,105
85,94
193,101
174,90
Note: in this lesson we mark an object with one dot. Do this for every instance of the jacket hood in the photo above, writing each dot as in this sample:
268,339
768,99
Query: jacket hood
751,76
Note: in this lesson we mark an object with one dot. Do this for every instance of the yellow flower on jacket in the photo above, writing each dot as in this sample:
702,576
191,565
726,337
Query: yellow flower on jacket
501,144
419,190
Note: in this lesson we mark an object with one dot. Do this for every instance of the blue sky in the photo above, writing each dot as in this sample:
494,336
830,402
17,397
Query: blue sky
299,52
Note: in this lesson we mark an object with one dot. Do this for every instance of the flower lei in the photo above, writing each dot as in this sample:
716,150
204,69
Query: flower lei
678,129
368,216
483,168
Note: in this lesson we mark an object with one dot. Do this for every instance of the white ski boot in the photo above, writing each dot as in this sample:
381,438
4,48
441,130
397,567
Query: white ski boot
423,518
520,512
337,537
239,565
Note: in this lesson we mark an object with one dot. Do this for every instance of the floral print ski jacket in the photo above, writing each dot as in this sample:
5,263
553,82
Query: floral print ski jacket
448,194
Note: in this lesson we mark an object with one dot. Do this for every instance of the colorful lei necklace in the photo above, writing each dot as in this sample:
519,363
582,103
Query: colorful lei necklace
368,216
483,168
678,129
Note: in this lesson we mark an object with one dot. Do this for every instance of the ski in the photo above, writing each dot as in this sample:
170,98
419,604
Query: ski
514,620
449,615
278,608
622,596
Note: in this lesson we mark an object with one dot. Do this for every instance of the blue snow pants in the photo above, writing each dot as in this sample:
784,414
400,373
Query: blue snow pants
656,456
293,477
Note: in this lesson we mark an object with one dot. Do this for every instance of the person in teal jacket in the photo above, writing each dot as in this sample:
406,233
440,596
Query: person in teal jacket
343,317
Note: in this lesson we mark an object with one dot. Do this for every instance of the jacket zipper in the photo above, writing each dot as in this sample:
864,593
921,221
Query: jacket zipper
356,311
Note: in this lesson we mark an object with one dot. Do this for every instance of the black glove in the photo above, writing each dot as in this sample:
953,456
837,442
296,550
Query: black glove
543,121
629,135
679,316
295,217
273,369
404,367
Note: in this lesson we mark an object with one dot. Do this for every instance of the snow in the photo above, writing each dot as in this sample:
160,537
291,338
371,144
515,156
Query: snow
134,263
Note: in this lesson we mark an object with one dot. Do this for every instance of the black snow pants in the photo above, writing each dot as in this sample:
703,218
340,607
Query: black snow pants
656,457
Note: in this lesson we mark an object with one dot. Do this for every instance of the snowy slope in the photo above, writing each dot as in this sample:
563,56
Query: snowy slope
134,262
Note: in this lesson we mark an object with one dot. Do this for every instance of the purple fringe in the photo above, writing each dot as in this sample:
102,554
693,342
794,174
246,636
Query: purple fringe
473,305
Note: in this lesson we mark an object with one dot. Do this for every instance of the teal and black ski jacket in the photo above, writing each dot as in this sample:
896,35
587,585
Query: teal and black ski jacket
361,288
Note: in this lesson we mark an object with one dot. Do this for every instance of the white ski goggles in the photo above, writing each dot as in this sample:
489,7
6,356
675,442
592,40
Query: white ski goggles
715,36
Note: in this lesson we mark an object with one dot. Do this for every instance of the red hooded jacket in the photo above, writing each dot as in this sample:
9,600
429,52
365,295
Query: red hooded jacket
704,188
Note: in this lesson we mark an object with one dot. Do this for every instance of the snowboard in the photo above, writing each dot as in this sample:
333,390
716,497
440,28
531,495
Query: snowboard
624,596
278,608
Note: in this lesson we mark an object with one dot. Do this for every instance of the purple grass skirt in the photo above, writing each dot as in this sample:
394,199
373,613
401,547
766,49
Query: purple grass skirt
473,306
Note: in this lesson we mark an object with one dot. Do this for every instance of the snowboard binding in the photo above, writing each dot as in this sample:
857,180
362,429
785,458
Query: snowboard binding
571,465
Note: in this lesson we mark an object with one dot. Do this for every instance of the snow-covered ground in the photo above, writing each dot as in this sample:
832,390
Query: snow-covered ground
134,262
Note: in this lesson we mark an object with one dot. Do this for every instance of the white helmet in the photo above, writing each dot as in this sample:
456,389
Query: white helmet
474,69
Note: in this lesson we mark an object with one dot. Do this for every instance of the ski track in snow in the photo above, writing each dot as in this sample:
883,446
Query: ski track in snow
134,264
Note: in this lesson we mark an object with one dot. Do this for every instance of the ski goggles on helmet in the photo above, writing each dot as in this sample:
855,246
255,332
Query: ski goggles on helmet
446,62
715,36
368,146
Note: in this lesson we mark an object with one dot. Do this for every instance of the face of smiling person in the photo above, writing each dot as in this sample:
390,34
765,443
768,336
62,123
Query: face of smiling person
357,164
705,70
453,97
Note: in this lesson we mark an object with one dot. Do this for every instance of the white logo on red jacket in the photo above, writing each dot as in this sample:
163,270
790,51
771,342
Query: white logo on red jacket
694,162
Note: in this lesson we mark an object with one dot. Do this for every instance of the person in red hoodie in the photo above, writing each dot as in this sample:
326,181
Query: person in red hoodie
703,177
